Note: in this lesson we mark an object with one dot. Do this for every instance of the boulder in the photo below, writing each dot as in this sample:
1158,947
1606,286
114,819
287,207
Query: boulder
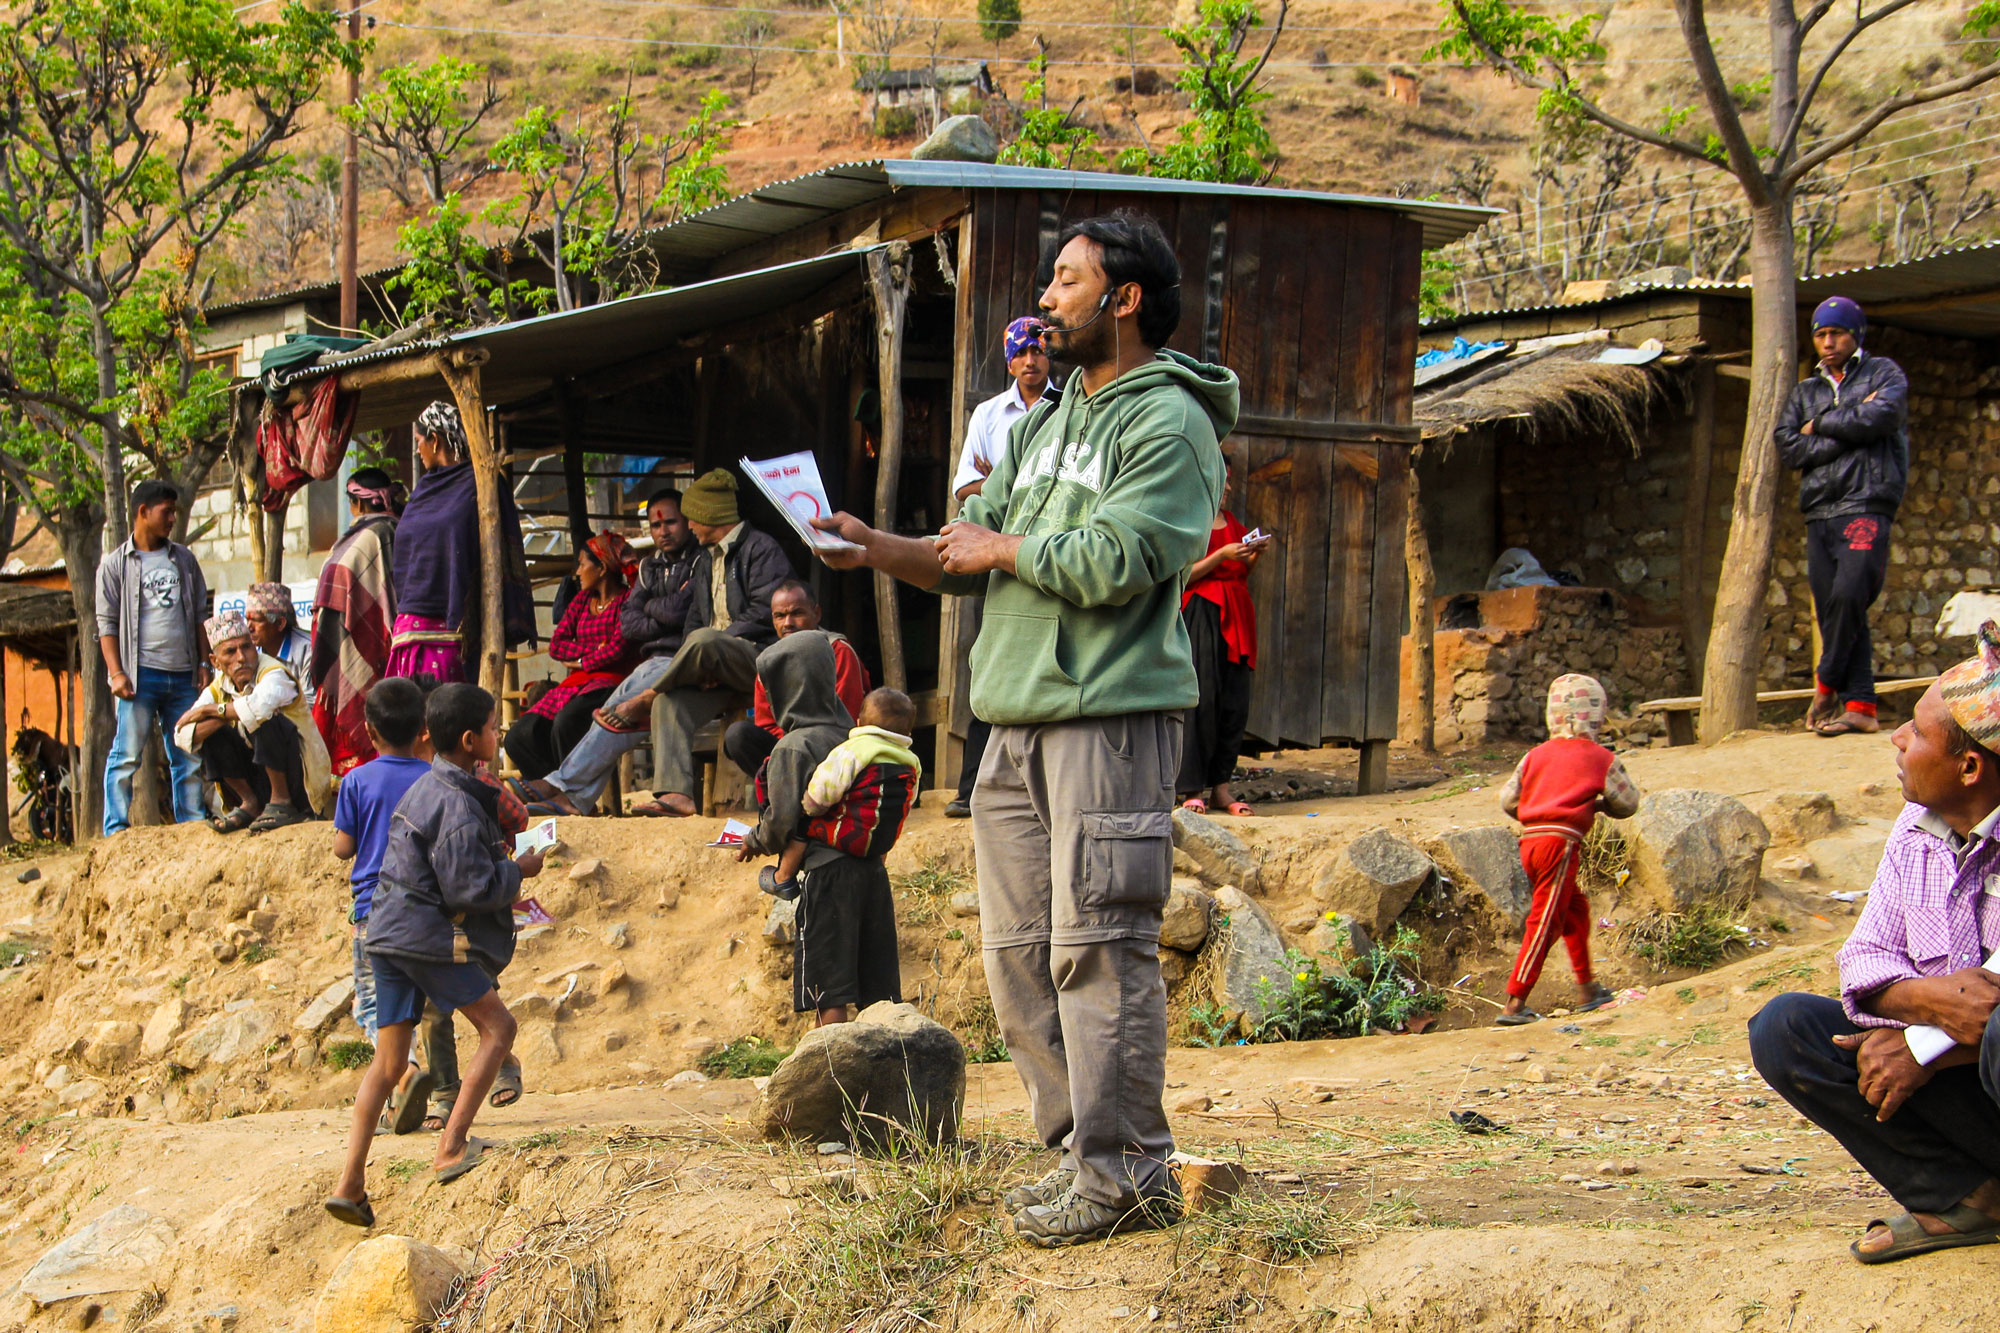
1184,925
327,1006
1691,847
1219,856
965,902
164,1028
1373,878
1484,867
120,1251
1338,936
386,1284
891,1066
781,924
959,139
226,1038
1253,951
1174,967
1796,817
111,1044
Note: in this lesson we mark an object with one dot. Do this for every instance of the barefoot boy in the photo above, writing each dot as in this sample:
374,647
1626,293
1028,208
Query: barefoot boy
442,925
1556,793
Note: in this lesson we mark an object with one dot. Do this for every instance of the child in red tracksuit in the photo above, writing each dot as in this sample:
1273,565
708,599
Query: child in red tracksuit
1556,793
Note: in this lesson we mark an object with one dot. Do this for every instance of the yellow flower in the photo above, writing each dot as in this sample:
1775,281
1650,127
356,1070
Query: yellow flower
1302,976
1333,916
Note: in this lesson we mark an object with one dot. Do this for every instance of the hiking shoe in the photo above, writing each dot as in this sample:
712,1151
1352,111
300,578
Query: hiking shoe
957,809
1048,1189
1074,1220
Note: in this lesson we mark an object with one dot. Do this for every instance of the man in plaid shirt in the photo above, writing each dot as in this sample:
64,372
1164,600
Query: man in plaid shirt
1924,1122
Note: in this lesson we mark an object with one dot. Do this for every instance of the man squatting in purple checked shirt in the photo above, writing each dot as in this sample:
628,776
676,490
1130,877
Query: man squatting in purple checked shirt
1928,1133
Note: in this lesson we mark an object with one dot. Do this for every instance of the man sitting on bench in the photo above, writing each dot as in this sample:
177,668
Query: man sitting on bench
734,576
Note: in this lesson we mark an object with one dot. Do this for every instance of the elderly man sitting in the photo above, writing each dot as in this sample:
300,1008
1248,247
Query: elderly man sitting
1919,1111
255,735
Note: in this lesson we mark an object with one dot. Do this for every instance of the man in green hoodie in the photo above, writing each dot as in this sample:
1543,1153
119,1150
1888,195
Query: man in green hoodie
1083,668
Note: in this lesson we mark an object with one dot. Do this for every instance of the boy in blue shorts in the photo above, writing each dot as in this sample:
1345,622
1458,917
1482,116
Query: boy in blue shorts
441,927
369,794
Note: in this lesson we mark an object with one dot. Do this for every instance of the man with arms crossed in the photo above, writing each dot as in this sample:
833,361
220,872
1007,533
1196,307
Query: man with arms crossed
1083,669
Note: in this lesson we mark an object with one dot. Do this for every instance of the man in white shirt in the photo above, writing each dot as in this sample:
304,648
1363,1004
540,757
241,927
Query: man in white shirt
985,441
254,732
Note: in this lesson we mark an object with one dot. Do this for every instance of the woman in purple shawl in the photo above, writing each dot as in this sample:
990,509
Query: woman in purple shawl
435,568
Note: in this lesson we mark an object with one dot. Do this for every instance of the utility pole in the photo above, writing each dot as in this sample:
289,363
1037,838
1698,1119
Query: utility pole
350,192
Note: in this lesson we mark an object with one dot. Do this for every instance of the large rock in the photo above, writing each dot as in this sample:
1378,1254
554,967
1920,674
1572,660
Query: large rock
327,1006
1184,925
1338,936
1690,848
1220,856
164,1028
959,139
120,1251
1373,878
891,1067
226,1038
386,1284
1253,951
1796,817
781,924
111,1044
1484,867
1848,860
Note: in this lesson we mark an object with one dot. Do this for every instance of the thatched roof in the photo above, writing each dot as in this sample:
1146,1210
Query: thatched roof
1554,388
37,621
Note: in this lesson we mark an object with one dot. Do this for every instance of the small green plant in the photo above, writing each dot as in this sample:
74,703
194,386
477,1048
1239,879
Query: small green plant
404,1168
999,19
1048,137
1365,77
1780,925
180,982
1209,1025
746,1057
1357,995
544,1138
1285,1227
258,952
1697,938
693,57
1686,995
893,122
1706,1035
1802,973
983,1044
12,951
350,1054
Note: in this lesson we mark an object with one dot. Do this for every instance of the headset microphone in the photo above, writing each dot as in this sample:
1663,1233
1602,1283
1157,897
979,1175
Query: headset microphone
1102,302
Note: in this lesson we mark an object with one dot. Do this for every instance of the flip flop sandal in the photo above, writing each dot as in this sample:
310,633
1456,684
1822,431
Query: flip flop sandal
655,810
619,726
474,1150
521,790
543,809
278,815
1969,1227
506,1086
233,822
1240,808
1839,727
1196,805
1520,1020
354,1212
1598,1003
410,1111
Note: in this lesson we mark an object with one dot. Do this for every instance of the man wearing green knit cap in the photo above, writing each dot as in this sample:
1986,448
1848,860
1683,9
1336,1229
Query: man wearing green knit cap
1083,668
733,575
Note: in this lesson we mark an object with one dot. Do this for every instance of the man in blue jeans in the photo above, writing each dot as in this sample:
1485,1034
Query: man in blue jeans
151,598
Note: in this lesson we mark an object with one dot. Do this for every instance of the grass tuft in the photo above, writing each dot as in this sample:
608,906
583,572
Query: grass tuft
746,1057
350,1054
1698,938
926,891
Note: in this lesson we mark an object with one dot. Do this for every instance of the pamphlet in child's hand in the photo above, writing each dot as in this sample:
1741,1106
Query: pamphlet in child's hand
1256,537
734,831
536,837
528,912
793,484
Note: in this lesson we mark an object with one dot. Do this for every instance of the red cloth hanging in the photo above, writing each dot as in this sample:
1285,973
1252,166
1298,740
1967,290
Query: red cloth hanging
305,440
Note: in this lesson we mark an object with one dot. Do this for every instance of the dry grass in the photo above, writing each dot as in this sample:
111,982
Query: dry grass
925,893
1605,862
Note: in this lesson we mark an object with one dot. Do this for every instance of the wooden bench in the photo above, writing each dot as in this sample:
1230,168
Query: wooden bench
1680,712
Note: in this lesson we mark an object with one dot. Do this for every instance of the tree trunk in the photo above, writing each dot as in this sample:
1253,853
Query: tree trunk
1736,636
1423,621
81,534
889,281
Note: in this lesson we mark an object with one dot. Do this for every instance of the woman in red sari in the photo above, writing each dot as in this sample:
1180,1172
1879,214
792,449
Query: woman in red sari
1222,628
588,638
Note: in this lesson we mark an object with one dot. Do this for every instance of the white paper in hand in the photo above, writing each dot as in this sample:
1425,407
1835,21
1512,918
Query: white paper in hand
536,837
1928,1043
793,484
732,835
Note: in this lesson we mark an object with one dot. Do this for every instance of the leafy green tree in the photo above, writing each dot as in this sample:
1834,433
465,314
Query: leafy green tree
418,122
1770,133
134,135
1049,136
1226,139
999,19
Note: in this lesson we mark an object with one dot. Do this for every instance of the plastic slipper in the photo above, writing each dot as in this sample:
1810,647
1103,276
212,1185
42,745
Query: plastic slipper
619,726
543,809
278,815
1196,804
1240,808
506,1085
410,1112
354,1212
233,822
1520,1020
1597,1002
526,794
655,810
1840,726
474,1150
1969,1227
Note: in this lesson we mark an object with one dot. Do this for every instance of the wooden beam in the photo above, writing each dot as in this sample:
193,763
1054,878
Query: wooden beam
1337,432
1423,616
411,367
911,215
889,284
460,371
569,414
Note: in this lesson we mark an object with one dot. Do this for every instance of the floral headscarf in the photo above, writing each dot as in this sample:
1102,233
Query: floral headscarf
1577,706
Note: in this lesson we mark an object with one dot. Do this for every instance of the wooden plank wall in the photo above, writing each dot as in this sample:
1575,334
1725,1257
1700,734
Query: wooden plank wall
1315,308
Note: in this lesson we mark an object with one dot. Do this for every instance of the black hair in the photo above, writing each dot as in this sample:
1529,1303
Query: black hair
794,585
894,707
152,492
1957,740
664,493
395,709
454,709
1132,248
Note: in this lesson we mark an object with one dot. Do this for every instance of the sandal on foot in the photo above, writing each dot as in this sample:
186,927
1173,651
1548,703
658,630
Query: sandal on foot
1240,808
233,822
1520,1020
526,794
474,1150
506,1086
1195,804
354,1212
278,815
1968,1226
619,725
658,809
410,1110
1597,1001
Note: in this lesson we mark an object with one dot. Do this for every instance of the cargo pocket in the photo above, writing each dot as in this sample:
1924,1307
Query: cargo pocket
1128,858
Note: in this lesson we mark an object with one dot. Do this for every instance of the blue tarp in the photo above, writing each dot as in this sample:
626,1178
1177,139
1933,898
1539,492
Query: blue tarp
1458,351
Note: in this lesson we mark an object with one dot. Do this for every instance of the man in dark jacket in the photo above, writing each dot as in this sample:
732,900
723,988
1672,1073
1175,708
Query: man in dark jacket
1843,430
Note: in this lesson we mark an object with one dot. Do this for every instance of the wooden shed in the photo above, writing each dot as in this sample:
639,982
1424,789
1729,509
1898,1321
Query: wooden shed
859,310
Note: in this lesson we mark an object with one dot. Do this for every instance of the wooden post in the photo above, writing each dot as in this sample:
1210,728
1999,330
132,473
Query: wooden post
1423,621
460,371
954,681
889,283
274,545
6,754
1694,525
1372,779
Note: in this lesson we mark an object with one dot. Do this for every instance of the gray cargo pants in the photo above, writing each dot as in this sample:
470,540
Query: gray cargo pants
1072,828
713,671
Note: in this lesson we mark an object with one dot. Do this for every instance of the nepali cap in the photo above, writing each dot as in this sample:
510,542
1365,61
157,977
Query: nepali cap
1577,705
1024,335
226,626
273,601
1971,689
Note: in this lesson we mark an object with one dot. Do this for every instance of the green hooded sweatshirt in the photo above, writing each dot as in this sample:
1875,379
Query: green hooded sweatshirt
1114,494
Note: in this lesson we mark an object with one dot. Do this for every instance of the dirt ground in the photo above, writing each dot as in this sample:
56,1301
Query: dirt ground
1644,1177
